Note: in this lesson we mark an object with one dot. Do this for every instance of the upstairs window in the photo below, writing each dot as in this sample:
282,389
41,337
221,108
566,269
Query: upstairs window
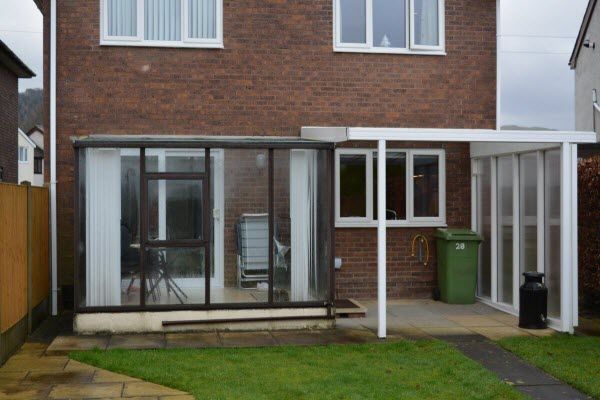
389,26
23,156
163,23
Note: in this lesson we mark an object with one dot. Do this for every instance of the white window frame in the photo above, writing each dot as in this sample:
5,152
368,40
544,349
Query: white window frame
410,221
23,155
409,48
139,41
441,29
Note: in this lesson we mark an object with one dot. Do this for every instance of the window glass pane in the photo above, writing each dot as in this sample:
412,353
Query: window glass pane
389,23
202,19
426,186
484,227
175,275
184,160
121,17
175,209
505,230
162,20
245,222
353,21
395,186
353,184
302,206
426,29
109,257
528,218
552,227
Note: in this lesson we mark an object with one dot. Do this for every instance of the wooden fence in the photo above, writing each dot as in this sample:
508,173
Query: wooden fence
24,263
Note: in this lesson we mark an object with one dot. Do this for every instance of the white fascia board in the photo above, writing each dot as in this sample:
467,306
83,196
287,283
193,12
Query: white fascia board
470,135
324,133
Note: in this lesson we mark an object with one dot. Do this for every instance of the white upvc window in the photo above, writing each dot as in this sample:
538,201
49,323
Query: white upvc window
415,188
23,154
389,26
162,23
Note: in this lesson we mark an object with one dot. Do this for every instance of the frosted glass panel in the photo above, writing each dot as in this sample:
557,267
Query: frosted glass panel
389,23
528,217
426,20
353,21
484,227
202,17
162,20
121,18
552,230
505,230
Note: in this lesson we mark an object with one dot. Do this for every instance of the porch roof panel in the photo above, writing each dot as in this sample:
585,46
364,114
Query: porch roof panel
191,141
340,134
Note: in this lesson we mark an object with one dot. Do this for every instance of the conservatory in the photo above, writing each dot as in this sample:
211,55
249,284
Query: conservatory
180,232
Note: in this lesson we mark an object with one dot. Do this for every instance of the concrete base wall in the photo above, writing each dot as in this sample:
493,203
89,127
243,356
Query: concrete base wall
146,322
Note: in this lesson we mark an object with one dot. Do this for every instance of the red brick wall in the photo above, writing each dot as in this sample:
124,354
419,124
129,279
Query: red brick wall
9,124
276,74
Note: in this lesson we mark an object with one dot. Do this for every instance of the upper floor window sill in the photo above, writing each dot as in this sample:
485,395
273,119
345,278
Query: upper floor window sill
383,50
187,45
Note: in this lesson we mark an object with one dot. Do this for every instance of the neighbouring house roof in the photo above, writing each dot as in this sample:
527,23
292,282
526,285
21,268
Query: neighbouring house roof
27,138
36,128
39,4
582,32
14,63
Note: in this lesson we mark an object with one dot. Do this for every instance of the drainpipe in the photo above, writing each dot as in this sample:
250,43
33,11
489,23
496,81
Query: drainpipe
53,156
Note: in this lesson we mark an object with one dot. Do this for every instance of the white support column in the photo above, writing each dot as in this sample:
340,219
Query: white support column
566,250
494,230
516,231
574,237
541,248
381,240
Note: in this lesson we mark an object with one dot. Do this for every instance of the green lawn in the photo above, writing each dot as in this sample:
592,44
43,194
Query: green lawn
572,359
405,370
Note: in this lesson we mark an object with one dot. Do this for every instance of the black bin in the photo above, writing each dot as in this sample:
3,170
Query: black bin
533,302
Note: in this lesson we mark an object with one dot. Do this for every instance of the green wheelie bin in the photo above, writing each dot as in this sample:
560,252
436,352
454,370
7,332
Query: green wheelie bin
457,265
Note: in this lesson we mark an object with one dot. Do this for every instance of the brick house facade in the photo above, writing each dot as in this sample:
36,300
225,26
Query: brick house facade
276,73
11,69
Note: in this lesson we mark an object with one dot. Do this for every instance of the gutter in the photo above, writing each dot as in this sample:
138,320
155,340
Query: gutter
53,235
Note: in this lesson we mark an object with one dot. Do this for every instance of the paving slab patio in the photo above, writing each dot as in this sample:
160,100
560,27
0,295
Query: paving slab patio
32,374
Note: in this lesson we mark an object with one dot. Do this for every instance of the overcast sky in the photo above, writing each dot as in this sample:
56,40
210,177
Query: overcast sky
537,38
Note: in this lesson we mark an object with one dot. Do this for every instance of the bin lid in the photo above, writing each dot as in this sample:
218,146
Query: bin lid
458,234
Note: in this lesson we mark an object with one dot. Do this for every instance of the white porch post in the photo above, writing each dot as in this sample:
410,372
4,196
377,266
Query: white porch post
381,240
566,238
574,238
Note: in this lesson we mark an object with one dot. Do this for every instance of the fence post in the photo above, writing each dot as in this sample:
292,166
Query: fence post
29,258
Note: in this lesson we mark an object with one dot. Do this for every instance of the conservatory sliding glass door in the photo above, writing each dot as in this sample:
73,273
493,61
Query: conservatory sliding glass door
518,213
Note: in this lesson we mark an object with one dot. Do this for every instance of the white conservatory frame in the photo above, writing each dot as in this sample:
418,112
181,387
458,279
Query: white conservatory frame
484,142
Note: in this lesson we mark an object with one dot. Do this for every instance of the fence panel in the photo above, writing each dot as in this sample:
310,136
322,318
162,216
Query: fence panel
13,255
24,264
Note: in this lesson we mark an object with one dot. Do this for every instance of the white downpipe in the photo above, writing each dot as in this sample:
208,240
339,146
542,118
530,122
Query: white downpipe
53,156
381,240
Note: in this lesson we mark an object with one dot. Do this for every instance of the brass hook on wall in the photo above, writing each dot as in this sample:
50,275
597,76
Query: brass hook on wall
422,242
